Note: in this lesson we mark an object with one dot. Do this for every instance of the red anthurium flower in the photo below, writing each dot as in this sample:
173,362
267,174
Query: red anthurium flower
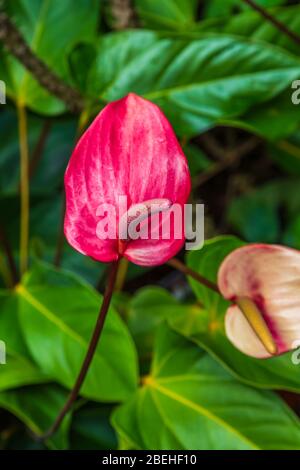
130,150
263,282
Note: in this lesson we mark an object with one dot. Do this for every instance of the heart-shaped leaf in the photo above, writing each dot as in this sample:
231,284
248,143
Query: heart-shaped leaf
198,83
190,402
19,368
37,408
58,313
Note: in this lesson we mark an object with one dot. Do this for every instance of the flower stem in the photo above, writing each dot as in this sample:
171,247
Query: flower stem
90,352
177,264
122,274
24,188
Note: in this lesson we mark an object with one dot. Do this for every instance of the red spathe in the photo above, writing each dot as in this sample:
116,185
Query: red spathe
129,150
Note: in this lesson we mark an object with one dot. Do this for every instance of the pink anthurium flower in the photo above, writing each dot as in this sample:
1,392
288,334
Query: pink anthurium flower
131,151
263,283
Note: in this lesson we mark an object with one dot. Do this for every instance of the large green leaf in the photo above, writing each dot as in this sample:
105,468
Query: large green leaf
19,369
206,326
174,15
37,407
10,329
190,402
149,308
219,8
58,314
253,25
51,29
279,118
198,83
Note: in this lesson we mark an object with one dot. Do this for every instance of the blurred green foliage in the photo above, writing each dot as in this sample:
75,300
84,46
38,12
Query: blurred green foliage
164,375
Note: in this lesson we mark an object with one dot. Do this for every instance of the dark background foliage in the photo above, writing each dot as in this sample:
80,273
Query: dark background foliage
164,376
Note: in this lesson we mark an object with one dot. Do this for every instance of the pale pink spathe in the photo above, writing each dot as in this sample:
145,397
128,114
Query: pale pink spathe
130,150
270,276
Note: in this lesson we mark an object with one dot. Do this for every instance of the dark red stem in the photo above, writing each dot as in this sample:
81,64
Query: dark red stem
177,264
90,352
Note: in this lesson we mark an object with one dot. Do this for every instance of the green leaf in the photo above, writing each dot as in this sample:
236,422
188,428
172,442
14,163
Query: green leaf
190,402
149,307
19,369
85,267
206,326
257,215
274,120
226,10
280,117
252,25
174,15
292,234
51,30
219,8
198,83
269,3
37,407
207,261
80,60
91,429
58,313
9,324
